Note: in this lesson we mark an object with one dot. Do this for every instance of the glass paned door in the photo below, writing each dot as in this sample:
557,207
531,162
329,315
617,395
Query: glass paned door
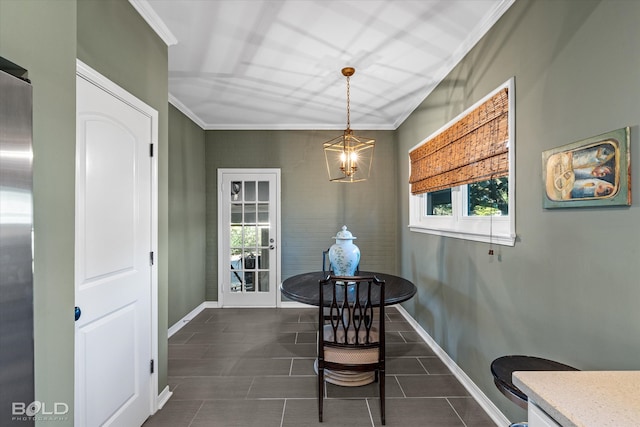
249,233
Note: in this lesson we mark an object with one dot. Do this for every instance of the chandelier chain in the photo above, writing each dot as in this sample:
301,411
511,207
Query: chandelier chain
348,104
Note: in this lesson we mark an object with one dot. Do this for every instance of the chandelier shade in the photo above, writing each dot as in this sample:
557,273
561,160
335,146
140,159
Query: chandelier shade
349,157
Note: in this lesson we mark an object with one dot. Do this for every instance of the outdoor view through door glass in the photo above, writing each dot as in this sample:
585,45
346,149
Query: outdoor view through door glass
250,238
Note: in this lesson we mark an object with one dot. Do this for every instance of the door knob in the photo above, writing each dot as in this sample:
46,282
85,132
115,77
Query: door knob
78,313
272,247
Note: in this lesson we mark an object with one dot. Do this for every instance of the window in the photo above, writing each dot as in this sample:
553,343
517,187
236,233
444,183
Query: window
467,196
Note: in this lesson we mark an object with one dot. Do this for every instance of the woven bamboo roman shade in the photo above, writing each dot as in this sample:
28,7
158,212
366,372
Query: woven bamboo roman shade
473,149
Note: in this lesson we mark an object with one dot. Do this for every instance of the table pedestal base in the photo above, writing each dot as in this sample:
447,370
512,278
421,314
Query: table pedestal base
346,378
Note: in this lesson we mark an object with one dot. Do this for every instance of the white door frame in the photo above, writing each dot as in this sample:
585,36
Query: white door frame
91,75
223,227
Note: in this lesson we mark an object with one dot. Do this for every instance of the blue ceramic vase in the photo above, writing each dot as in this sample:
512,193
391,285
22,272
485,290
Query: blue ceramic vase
344,256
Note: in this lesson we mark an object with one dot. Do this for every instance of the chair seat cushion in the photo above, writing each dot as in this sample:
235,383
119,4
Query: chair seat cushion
350,355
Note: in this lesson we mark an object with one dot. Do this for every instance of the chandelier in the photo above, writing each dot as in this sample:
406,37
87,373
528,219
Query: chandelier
349,157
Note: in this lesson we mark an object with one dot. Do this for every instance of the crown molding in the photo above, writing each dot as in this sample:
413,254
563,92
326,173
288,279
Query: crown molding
148,14
252,126
364,128
186,111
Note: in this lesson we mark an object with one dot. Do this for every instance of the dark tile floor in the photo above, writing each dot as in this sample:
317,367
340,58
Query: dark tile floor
254,367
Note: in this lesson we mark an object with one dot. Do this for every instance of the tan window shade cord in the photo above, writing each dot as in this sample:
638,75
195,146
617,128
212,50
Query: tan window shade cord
473,149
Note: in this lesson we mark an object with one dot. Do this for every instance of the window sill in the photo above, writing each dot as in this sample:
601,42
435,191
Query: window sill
497,239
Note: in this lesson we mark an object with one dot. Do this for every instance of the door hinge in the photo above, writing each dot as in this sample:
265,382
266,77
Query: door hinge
151,257
150,150
152,366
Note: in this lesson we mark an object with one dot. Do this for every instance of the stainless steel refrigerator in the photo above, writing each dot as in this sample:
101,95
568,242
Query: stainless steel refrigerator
16,259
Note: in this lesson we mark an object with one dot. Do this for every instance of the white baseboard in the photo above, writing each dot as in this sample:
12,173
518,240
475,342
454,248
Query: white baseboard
492,410
186,319
163,398
294,304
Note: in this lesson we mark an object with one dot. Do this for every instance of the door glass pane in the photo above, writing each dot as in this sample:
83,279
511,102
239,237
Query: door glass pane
236,281
250,213
263,284
236,213
263,191
264,258
236,239
235,261
250,191
236,190
250,260
236,254
263,213
263,236
250,236
249,282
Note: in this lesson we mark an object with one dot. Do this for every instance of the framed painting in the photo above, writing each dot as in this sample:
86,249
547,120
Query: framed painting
592,172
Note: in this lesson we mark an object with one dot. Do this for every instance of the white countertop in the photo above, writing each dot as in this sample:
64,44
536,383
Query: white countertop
585,398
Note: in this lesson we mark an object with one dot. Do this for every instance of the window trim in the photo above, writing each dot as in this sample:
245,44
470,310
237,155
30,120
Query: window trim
489,229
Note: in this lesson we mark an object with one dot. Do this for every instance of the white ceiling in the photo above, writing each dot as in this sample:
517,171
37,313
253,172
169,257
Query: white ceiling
276,64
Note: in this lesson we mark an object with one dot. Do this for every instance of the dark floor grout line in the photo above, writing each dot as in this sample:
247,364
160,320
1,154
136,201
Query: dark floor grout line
284,410
196,414
253,380
370,415
400,385
411,356
249,399
421,375
231,399
456,412
294,357
423,397
423,367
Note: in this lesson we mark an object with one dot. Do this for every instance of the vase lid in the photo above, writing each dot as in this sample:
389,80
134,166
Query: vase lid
344,234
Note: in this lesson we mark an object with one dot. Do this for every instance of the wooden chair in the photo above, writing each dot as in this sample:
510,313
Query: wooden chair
350,331
326,264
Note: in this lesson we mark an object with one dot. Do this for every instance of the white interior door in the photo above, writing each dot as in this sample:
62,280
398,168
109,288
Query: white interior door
114,207
249,256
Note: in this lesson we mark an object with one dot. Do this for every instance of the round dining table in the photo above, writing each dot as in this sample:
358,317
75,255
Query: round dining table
305,288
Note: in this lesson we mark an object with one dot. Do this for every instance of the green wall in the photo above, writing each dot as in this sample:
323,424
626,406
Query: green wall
114,40
313,209
41,37
568,289
187,226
